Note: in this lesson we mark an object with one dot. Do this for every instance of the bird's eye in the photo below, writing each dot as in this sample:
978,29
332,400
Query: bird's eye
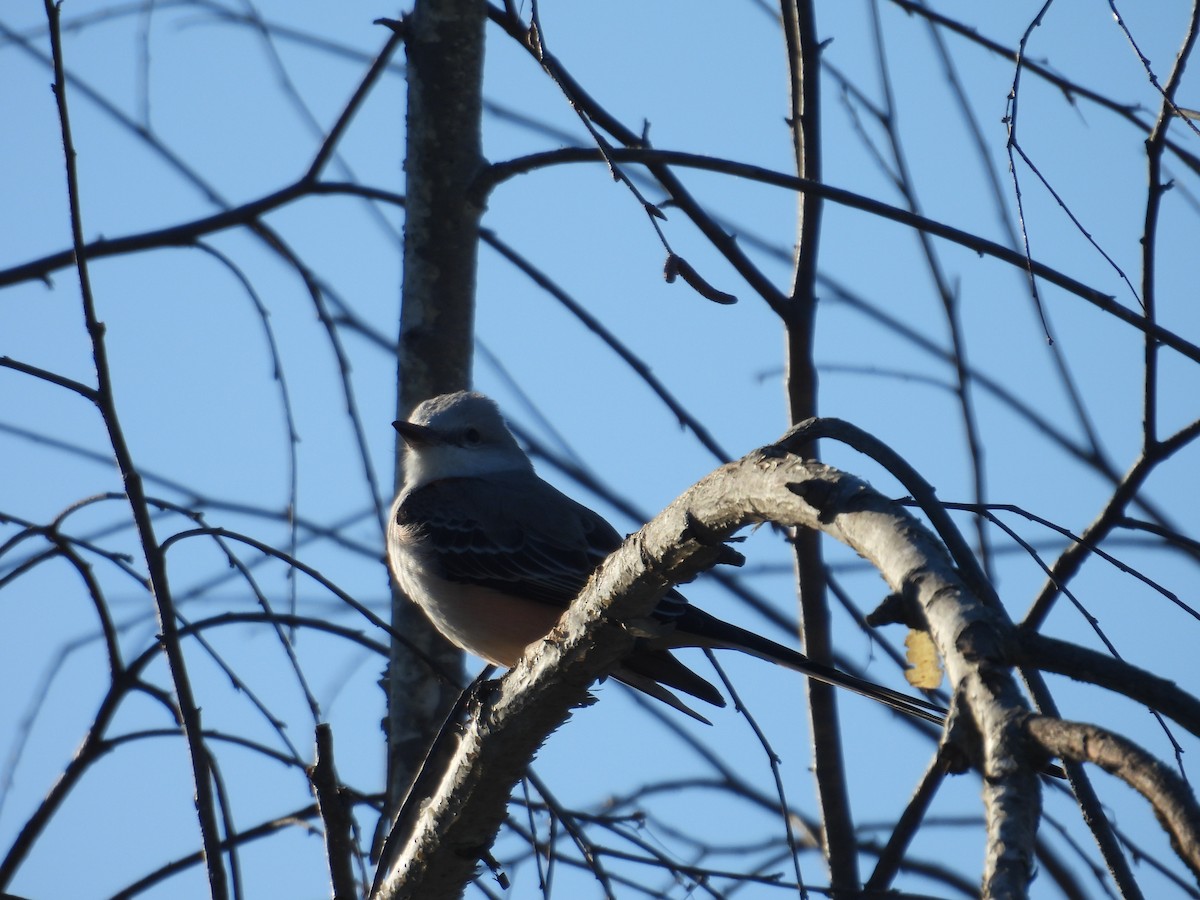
472,437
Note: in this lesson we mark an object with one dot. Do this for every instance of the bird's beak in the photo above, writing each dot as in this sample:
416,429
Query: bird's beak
415,435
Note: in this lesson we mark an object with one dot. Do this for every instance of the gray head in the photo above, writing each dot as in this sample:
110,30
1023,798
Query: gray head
455,436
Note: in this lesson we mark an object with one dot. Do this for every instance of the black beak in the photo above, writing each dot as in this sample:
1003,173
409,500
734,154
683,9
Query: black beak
415,435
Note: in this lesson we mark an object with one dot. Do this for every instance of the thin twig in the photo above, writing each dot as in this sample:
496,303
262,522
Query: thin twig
201,765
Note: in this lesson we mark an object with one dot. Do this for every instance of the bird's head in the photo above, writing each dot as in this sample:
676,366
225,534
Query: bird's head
459,435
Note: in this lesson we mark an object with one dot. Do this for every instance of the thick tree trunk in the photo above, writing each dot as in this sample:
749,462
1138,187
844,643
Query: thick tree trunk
444,42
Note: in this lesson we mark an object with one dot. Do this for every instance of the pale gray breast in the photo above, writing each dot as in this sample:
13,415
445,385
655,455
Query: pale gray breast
410,559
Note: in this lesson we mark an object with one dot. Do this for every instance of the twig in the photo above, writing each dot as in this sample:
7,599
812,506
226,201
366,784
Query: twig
201,768
335,816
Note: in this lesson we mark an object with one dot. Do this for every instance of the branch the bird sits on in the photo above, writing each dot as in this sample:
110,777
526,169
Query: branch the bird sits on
494,555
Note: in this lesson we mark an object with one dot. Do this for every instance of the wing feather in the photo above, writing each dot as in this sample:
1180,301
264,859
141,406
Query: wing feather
491,533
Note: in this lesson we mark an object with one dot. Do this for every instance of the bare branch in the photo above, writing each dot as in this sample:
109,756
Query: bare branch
202,772
335,816
534,698
1083,664
657,159
1173,801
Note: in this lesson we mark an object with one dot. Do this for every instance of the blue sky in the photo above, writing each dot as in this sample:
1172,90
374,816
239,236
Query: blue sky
195,387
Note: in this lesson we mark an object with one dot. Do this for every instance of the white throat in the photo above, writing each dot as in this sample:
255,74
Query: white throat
435,462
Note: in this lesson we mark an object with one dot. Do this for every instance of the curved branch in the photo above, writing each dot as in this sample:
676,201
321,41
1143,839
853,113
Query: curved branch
1083,664
1174,804
203,770
186,234
499,172
1070,89
461,819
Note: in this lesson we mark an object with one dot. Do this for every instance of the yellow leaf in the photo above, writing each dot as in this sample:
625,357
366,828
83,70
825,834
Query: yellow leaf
926,671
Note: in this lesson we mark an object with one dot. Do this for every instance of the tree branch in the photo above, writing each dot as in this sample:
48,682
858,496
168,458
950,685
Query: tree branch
1174,804
444,45
335,813
460,821
189,712
1083,664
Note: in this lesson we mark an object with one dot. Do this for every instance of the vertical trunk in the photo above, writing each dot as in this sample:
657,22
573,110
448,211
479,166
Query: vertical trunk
444,43
804,64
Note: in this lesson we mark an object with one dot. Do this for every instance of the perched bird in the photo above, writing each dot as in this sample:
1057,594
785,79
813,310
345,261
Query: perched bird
494,555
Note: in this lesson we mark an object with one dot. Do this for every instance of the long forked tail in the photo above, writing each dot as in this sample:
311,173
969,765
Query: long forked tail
697,628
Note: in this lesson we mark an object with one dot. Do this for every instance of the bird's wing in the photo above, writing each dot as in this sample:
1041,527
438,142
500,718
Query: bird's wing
516,534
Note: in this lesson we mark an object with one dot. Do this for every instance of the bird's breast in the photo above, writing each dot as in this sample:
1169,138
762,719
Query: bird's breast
491,624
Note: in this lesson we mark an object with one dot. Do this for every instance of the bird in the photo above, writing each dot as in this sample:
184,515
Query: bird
494,555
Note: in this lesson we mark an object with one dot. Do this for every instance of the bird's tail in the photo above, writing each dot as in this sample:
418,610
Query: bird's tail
648,669
697,628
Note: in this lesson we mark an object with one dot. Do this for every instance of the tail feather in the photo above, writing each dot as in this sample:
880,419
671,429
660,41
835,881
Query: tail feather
697,628
659,665
651,687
